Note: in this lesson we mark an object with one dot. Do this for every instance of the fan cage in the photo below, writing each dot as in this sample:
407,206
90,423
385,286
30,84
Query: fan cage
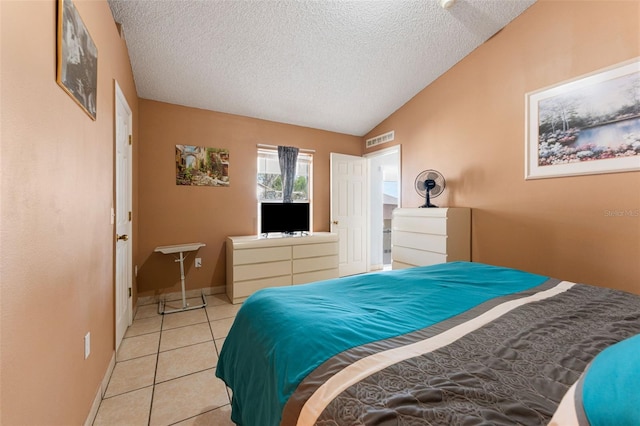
426,175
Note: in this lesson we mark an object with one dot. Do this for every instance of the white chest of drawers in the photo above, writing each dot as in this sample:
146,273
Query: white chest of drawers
426,236
254,263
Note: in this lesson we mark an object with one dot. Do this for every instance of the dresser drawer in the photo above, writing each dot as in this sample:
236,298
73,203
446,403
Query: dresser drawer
400,265
417,257
314,250
308,277
246,288
424,225
315,264
258,255
429,242
261,270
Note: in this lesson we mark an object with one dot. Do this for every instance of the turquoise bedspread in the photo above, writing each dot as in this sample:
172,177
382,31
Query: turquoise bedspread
282,334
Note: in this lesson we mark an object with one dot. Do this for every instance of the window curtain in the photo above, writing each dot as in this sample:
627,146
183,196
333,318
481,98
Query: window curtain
288,157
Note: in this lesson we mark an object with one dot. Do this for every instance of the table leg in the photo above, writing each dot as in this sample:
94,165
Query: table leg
184,292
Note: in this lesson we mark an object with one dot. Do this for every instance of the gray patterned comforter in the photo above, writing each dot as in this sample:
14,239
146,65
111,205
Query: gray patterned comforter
506,362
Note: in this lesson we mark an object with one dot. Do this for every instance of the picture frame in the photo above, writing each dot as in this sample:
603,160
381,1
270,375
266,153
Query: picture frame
202,166
587,125
77,59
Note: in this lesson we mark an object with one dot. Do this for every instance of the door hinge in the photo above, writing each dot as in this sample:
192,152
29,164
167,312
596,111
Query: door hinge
130,139
129,291
130,216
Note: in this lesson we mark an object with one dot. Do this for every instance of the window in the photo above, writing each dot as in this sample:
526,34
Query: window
269,182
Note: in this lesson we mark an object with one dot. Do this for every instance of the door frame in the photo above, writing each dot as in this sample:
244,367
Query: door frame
397,150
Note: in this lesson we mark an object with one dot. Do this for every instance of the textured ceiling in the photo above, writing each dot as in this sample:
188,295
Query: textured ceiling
342,66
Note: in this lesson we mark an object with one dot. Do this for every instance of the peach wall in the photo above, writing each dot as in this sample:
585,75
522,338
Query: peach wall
57,239
470,123
172,214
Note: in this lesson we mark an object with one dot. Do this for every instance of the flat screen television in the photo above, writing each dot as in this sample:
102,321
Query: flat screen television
287,218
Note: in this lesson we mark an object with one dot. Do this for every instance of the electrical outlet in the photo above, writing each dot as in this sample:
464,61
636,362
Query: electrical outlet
198,262
87,345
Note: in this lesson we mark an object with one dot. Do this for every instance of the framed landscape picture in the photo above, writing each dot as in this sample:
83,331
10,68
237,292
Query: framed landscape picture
77,66
585,126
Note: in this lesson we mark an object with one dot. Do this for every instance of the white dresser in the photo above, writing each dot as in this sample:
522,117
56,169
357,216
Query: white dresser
426,236
254,263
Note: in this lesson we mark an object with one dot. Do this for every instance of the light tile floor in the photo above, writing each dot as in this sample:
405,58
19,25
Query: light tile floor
165,368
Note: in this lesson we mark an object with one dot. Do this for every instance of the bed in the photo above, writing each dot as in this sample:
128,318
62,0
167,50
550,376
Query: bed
456,343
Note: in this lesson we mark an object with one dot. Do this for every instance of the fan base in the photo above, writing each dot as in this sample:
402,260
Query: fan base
427,200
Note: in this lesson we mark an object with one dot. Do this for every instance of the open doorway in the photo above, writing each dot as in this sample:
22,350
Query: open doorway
384,189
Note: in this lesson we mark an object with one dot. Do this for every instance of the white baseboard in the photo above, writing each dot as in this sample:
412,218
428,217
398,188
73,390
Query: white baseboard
101,391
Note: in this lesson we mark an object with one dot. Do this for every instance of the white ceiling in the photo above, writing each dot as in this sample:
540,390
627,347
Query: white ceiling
339,65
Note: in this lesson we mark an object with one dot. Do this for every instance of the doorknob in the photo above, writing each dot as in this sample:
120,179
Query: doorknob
335,222
123,237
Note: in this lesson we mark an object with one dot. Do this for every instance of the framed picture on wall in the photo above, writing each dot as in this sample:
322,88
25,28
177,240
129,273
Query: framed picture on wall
202,166
584,126
77,65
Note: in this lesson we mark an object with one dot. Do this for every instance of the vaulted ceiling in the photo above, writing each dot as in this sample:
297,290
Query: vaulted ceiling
338,65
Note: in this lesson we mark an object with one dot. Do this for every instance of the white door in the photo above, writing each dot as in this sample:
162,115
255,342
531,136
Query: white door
349,211
123,256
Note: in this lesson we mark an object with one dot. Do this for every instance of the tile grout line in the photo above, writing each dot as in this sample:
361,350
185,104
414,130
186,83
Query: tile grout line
215,345
155,372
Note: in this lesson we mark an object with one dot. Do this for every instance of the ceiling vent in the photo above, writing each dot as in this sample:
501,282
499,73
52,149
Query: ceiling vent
384,138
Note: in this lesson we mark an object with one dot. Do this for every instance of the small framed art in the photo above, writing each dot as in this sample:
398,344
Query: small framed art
77,67
202,166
